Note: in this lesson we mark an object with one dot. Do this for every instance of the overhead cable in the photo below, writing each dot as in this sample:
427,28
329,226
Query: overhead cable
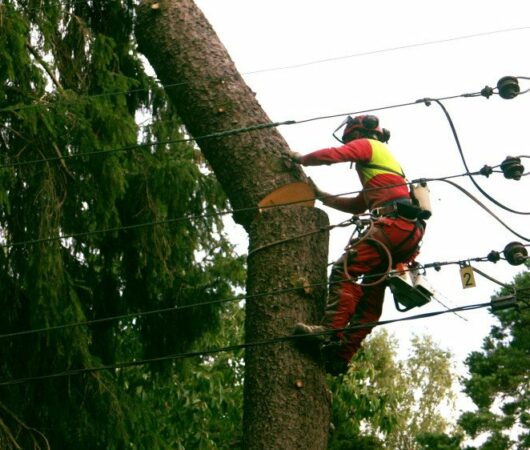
30,242
488,277
178,308
231,132
182,218
236,347
219,134
455,135
460,188
294,66
298,236
509,301
389,49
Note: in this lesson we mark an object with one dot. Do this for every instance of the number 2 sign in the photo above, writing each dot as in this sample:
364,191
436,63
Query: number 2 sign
467,276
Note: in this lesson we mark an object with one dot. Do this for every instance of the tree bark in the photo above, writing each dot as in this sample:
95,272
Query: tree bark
286,402
286,399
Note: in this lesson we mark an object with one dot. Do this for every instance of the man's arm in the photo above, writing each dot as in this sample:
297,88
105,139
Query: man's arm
352,205
359,150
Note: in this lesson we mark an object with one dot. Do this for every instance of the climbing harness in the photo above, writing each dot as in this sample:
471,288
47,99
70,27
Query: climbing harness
420,206
364,227
408,286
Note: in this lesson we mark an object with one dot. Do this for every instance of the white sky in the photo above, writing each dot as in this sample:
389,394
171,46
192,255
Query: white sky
277,33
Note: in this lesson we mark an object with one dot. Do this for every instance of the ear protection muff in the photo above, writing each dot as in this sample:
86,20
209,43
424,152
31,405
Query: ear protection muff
367,123
386,135
370,122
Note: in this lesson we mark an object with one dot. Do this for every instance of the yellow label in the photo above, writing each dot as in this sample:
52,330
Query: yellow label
467,276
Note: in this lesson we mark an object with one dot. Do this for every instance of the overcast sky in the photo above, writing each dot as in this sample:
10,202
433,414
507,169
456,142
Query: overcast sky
342,56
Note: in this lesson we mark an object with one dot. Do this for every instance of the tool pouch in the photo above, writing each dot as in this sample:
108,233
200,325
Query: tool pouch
409,211
419,194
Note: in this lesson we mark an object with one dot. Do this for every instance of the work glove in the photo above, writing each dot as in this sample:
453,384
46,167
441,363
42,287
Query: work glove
295,156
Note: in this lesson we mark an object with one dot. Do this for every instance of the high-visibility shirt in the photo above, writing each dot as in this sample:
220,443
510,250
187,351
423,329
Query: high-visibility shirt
380,185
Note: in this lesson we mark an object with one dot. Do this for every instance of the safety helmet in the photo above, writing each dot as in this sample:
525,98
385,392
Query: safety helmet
366,124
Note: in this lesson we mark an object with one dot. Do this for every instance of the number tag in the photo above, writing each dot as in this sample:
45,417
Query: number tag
467,276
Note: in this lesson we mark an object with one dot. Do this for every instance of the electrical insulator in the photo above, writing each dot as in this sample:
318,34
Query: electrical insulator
515,253
508,87
486,171
493,256
487,92
512,168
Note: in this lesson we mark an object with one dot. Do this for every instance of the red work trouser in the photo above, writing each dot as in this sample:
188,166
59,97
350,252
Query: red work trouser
350,303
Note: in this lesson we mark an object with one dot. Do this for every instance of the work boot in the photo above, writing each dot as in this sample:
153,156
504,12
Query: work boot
314,333
310,339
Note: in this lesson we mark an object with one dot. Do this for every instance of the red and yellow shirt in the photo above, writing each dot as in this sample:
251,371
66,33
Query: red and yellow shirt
380,185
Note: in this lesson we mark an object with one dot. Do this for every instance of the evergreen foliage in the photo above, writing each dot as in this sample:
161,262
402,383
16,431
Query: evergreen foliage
439,441
71,84
499,378
201,406
497,384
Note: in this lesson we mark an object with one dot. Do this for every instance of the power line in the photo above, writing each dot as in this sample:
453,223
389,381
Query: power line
180,219
488,277
168,221
178,308
122,228
231,132
309,233
436,298
508,302
171,309
390,49
460,188
130,147
293,66
455,135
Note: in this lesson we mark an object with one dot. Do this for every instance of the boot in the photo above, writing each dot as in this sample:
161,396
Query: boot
310,339
311,333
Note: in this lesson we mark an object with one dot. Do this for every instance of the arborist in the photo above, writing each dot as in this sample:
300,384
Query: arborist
393,238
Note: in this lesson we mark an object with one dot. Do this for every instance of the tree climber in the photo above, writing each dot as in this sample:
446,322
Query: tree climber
393,238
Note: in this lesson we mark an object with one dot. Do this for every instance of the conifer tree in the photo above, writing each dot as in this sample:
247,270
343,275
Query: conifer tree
499,383
95,222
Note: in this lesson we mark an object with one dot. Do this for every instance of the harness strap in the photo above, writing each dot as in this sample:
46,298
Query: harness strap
409,237
381,248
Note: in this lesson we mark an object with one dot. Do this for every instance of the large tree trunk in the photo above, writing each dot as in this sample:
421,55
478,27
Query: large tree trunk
286,400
